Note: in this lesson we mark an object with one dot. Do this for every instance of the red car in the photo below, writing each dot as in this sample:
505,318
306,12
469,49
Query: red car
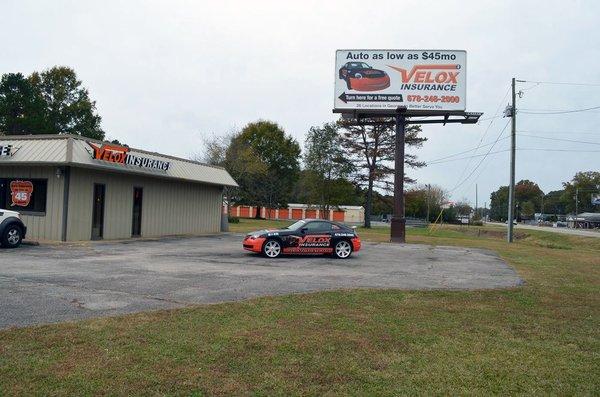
307,236
359,76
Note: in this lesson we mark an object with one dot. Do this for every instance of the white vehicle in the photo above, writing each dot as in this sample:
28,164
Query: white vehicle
12,229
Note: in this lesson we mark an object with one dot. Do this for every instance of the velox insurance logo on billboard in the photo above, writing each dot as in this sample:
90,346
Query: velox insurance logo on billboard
428,80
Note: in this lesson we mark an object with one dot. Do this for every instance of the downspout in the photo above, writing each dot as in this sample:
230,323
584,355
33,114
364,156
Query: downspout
66,186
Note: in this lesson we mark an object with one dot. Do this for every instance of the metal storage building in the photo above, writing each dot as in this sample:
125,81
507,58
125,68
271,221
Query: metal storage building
71,188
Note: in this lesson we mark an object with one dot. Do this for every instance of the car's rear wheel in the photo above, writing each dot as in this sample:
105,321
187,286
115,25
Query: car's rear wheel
272,248
342,249
12,236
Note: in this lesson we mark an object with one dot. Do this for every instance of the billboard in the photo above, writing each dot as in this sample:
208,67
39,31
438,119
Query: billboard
423,80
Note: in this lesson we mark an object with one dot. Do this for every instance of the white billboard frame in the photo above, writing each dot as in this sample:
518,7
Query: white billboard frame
389,87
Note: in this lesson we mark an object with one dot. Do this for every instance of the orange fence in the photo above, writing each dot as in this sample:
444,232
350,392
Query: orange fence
243,211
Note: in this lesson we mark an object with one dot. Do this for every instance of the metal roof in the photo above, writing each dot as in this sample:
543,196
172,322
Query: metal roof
77,151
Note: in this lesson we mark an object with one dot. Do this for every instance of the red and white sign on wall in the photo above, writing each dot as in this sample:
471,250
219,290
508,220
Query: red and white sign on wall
428,80
20,193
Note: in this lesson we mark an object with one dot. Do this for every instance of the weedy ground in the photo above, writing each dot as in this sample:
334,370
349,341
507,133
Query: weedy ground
541,338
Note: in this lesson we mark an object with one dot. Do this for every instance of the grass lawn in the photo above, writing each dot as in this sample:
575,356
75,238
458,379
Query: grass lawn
543,338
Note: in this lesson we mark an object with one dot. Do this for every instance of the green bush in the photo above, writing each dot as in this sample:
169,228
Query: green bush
233,219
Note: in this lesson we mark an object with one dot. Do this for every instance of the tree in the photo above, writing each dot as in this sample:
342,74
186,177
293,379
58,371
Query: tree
371,148
68,107
527,209
215,149
326,167
340,191
418,198
463,208
553,203
383,204
526,190
582,186
499,204
264,162
21,106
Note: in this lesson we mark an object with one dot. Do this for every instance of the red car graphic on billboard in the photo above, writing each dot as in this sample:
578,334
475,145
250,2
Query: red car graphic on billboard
359,76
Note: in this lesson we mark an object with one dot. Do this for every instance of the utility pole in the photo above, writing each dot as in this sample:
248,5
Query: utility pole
513,144
476,201
428,194
485,211
576,205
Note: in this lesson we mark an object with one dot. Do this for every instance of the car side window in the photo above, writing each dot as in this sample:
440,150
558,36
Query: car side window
318,227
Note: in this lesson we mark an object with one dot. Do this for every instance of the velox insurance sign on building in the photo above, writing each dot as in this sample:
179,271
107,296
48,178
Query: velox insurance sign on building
428,80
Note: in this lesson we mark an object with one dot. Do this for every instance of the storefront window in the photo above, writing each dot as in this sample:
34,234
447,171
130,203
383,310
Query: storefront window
23,194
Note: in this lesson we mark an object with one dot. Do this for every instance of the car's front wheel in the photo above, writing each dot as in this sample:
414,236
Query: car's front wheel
342,249
12,236
272,248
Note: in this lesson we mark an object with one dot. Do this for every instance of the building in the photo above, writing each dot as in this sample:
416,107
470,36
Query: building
342,213
585,220
71,188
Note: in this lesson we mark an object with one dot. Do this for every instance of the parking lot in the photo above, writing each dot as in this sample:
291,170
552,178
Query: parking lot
52,283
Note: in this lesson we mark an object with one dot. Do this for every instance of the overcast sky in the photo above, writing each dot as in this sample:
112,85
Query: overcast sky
165,74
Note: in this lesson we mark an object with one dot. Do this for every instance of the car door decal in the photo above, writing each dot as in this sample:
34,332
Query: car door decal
310,244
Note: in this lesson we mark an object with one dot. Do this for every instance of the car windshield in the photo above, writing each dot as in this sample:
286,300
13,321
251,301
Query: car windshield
296,225
359,65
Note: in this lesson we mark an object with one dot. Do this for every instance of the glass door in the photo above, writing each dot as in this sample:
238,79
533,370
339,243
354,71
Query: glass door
98,212
136,221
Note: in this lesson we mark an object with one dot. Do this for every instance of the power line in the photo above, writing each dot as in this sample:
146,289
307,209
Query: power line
493,119
482,160
541,111
466,151
560,150
521,149
562,132
561,83
560,139
467,157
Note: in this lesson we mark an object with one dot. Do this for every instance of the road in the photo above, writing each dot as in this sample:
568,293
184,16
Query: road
561,230
45,284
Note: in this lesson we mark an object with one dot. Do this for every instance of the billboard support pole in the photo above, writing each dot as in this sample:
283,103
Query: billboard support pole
401,118
398,223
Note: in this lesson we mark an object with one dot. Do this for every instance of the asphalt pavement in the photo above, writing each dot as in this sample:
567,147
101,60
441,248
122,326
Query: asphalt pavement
53,283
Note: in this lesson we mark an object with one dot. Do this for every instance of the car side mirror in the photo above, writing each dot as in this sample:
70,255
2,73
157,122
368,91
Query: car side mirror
303,230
